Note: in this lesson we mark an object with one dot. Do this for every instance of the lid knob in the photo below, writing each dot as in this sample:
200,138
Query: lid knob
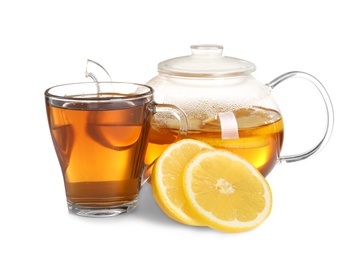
207,50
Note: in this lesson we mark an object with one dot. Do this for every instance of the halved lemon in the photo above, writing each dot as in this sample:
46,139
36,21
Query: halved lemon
166,179
226,192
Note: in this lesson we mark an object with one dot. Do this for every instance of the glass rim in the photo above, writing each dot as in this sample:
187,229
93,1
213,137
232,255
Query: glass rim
134,96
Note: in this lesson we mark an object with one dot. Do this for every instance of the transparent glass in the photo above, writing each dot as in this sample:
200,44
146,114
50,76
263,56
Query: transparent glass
100,134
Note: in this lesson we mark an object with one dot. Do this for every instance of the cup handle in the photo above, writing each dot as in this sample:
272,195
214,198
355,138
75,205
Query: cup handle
329,114
182,133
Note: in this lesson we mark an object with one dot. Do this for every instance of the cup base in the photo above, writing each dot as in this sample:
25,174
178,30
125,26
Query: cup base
101,212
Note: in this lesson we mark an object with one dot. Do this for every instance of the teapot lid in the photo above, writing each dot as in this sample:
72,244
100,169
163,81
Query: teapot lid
206,61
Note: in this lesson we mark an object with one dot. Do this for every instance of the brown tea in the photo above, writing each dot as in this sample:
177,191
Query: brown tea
259,136
101,148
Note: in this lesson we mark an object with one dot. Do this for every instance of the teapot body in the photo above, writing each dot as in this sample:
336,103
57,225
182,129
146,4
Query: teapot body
226,107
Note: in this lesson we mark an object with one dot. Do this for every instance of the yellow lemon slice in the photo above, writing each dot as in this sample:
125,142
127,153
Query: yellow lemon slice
226,192
166,179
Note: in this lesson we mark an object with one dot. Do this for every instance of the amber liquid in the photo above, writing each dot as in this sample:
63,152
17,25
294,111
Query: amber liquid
260,136
101,149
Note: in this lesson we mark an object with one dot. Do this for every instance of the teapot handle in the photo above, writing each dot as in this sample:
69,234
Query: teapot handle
329,114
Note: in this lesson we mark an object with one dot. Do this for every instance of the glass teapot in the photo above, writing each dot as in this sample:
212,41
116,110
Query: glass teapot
226,107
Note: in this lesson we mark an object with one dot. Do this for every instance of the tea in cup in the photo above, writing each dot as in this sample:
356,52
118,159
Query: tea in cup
100,133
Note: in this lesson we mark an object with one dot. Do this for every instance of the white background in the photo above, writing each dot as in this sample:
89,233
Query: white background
315,202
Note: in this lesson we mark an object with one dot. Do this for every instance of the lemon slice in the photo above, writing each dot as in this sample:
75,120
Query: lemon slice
166,179
226,192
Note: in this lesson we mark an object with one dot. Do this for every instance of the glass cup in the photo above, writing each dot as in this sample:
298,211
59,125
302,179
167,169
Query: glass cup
100,134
